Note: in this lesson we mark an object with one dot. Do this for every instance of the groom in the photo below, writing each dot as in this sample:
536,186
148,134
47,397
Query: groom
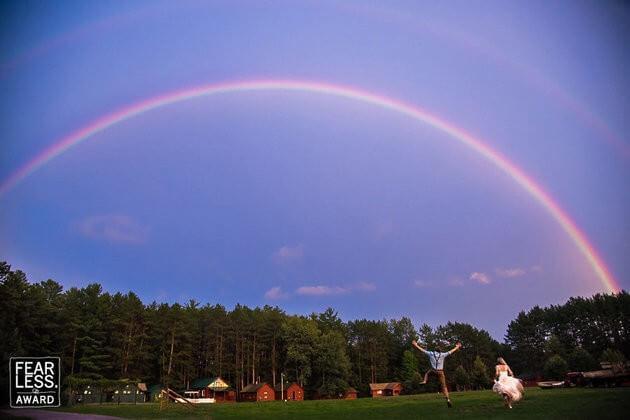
437,365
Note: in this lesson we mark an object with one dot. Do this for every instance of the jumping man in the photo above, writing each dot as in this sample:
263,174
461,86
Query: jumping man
437,366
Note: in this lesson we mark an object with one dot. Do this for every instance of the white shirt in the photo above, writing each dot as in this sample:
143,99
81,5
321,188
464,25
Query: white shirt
436,359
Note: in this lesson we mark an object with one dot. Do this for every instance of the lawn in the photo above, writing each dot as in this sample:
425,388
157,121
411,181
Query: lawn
549,404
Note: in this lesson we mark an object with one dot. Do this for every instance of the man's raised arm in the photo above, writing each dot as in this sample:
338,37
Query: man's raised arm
416,345
457,347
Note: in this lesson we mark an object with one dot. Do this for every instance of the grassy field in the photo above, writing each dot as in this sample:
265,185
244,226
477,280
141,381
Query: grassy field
549,404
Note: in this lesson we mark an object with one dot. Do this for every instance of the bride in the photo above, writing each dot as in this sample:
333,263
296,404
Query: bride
506,384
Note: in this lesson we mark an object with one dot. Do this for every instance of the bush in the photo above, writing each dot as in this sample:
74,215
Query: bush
555,368
615,357
581,360
414,385
479,377
461,379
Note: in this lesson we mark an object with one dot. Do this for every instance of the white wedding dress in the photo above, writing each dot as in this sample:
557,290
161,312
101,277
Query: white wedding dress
508,385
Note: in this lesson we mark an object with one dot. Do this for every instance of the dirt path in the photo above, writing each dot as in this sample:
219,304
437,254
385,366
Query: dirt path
39,414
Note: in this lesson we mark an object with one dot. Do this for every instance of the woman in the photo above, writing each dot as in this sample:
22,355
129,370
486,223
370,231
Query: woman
506,384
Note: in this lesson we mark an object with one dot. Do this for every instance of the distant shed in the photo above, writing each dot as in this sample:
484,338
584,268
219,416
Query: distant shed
387,389
350,394
131,393
258,392
291,392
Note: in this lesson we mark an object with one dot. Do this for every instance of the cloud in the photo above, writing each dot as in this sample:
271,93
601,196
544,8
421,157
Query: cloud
276,293
320,290
510,272
421,284
481,278
536,269
323,290
113,228
288,254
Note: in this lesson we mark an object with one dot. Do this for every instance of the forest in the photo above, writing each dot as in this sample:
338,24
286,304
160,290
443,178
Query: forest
104,336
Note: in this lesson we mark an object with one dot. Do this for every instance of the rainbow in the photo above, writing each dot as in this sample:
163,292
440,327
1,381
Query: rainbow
518,175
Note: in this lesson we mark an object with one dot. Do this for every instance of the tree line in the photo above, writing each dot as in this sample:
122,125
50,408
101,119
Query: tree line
103,336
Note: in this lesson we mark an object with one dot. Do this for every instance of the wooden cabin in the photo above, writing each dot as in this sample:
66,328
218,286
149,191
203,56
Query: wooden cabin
292,392
215,388
350,394
131,393
258,392
92,394
387,389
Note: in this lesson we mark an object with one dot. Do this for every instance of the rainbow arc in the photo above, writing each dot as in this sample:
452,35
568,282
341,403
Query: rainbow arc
535,190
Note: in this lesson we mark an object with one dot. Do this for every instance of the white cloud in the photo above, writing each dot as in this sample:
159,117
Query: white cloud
421,284
276,293
481,278
114,228
323,290
510,272
288,254
320,290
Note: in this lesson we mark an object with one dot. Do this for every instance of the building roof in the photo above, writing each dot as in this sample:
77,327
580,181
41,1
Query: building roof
385,385
351,390
215,384
286,386
253,387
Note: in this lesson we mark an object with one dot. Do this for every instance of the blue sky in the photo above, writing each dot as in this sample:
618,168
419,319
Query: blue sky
308,201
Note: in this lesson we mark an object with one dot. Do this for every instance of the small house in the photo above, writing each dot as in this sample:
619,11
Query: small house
387,389
291,392
215,388
131,393
258,392
92,394
350,394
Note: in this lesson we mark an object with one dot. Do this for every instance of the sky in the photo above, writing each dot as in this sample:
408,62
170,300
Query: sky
307,198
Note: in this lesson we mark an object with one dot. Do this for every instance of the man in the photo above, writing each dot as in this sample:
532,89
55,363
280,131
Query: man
437,366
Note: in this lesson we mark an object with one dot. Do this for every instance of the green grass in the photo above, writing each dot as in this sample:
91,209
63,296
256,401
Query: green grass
574,403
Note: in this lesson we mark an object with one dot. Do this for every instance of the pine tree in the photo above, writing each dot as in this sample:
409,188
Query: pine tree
479,377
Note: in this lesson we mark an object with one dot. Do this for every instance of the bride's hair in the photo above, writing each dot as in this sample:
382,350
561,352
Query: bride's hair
501,361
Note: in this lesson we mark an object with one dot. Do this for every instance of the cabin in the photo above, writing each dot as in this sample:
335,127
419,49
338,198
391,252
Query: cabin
215,388
258,392
387,389
349,394
291,392
131,393
91,394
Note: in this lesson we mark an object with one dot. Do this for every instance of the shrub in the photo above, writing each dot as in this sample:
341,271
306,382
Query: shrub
461,378
479,377
555,368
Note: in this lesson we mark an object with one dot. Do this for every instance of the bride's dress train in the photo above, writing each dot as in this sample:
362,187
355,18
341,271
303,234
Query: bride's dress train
508,385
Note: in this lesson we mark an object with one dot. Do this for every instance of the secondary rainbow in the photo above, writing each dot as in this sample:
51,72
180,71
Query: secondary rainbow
412,111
